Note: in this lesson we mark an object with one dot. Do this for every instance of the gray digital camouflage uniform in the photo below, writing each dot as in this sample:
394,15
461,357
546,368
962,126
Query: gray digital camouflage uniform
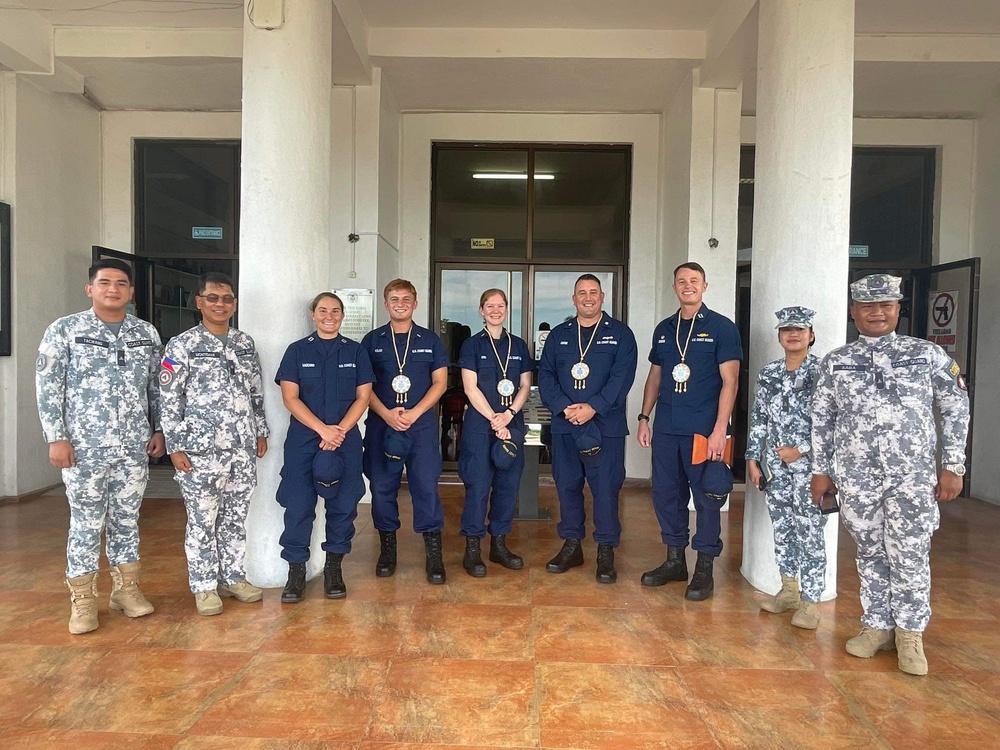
781,416
96,390
213,410
874,433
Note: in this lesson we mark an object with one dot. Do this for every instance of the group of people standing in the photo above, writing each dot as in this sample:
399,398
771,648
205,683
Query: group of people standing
108,400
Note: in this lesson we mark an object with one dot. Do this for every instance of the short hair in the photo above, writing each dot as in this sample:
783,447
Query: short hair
399,285
215,277
111,264
489,293
588,277
691,266
323,295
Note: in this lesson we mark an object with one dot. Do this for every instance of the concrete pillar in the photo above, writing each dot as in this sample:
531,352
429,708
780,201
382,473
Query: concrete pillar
284,229
805,96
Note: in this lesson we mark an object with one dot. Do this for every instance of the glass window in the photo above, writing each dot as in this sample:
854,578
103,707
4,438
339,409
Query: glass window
480,203
459,294
581,205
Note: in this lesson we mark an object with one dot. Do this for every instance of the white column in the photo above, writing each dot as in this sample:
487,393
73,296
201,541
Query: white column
284,229
802,189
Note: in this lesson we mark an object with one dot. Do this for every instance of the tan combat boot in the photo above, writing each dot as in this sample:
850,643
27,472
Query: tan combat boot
242,591
910,652
787,598
208,603
83,595
125,596
870,641
807,616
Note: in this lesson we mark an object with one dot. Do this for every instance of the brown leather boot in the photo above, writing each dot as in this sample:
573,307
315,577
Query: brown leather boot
83,595
125,596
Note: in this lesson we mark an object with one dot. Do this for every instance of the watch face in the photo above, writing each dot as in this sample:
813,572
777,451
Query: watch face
958,470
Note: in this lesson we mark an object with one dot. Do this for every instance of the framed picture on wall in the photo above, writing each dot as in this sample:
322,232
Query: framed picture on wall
6,329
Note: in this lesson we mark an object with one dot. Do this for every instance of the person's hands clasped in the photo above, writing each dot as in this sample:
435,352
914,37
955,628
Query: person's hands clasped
578,414
331,437
500,420
788,454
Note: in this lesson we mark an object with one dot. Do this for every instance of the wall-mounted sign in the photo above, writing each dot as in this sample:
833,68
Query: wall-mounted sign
942,319
206,233
482,243
858,251
359,312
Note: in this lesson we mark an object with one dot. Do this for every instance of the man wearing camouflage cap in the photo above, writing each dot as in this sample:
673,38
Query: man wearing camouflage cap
95,379
778,462
213,420
874,431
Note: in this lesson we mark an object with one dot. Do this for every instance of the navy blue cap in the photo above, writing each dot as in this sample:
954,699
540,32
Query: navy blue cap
588,443
328,468
716,479
396,446
504,452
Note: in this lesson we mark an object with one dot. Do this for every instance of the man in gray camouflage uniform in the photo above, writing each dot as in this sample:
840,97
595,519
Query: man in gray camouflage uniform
874,431
213,420
778,447
95,379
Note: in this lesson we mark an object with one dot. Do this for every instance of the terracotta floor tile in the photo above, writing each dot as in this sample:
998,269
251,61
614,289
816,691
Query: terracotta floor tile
467,631
203,742
599,636
968,645
775,729
577,587
66,739
617,707
457,702
34,675
346,626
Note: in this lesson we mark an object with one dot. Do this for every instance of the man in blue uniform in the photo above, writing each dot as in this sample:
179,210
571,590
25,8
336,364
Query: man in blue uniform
411,375
701,352
585,373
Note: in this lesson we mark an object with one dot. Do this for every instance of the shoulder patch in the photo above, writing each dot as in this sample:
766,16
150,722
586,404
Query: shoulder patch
954,369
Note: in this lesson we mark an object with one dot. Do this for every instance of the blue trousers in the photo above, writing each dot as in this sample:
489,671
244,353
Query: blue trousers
569,472
487,487
423,469
674,480
297,495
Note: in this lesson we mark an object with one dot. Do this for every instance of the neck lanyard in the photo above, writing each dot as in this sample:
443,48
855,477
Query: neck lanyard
681,372
581,369
505,386
401,383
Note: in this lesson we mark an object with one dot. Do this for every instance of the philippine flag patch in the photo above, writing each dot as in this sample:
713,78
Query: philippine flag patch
170,364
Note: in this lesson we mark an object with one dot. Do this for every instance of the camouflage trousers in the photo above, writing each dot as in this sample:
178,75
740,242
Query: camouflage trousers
104,491
891,521
799,545
217,494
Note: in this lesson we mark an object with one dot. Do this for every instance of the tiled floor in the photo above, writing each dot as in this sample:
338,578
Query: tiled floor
520,659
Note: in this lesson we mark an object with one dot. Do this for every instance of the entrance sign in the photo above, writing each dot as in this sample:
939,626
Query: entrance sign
857,251
359,312
206,233
483,243
941,319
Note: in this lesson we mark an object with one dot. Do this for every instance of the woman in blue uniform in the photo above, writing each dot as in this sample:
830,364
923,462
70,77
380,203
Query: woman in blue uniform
496,375
325,384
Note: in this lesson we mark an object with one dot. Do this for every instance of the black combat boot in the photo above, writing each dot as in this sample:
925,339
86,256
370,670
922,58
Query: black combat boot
606,572
674,569
435,564
386,564
333,577
570,556
296,584
501,554
473,560
701,585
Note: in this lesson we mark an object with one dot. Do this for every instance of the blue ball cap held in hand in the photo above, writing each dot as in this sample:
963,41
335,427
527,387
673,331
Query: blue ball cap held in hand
716,479
588,443
397,447
504,452
328,468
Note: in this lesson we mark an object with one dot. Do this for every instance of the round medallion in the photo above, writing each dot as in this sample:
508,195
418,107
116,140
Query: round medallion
401,383
506,387
580,371
681,373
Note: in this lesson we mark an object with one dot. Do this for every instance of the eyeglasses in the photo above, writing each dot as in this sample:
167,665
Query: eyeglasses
214,298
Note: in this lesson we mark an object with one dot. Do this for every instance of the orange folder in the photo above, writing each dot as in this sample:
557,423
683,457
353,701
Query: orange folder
699,454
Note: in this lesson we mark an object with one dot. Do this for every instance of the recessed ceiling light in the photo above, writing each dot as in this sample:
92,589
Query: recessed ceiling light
509,176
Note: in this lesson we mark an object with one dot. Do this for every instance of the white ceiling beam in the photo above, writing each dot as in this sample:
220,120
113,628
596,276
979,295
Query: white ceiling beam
350,41
731,44
64,80
25,41
956,48
630,44
79,41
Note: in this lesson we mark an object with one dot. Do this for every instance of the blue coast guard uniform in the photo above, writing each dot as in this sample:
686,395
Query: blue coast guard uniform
781,416
475,468
679,416
328,372
423,464
612,361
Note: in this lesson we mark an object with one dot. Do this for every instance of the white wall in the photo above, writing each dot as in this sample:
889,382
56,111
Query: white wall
640,130
8,370
56,205
118,133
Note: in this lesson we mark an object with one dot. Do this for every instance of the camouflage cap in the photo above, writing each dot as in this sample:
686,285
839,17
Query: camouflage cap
795,316
879,287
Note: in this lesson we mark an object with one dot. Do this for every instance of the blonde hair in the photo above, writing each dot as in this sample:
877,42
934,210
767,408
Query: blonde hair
399,285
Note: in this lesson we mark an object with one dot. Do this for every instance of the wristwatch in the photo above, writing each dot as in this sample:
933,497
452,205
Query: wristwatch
643,417
511,410
957,469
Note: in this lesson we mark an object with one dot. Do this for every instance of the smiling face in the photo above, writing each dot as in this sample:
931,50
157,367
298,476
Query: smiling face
689,286
795,340
328,315
111,292
875,319
494,310
400,303
588,299
215,310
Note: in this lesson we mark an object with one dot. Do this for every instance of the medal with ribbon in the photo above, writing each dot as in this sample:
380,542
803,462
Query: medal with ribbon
401,383
505,387
681,372
581,369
